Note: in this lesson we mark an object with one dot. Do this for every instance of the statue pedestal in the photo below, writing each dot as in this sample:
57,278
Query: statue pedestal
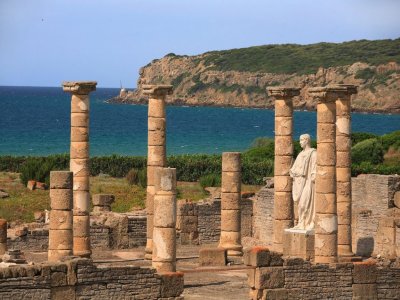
299,243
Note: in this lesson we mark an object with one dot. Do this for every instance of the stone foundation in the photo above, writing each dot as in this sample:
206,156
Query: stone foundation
81,279
277,278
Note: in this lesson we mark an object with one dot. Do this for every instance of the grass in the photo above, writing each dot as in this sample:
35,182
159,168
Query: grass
22,202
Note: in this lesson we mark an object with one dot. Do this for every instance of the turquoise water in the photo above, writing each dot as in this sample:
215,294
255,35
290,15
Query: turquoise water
35,121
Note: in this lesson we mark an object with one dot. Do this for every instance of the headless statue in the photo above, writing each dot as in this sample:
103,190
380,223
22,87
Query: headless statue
303,173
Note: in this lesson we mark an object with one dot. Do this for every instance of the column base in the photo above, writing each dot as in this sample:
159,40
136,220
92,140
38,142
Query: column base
344,251
232,250
83,254
299,243
149,250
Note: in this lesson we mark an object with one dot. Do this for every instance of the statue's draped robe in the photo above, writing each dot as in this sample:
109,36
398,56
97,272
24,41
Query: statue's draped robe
303,172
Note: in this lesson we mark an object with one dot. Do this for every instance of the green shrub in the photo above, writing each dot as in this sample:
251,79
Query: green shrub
142,177
365,74
369,168
391,140
115,165
369,150
210,180
39,168
357,137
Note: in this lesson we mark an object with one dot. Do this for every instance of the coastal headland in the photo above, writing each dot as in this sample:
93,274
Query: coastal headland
239,77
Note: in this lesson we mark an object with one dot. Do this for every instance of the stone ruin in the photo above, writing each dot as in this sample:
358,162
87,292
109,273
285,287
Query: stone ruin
351,254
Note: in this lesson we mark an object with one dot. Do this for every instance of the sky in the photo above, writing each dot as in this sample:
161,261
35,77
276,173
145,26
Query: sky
45,42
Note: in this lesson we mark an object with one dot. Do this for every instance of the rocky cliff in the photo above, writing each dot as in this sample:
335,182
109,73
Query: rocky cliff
199,80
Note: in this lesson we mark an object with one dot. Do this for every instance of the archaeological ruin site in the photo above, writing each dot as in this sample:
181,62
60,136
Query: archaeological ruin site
311,232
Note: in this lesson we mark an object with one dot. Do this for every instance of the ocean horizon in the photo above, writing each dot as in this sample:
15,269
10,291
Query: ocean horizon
36,121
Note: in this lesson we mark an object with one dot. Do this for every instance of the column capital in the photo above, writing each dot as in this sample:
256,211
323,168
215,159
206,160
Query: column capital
79,87
283,91
157,89
331,93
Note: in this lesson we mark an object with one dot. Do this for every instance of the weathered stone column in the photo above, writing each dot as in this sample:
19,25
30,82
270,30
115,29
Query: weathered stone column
156,151
343,168
60,230
3,236
283,203
230,238
79,162
164,232
326,225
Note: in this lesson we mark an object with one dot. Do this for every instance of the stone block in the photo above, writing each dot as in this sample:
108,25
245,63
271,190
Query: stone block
269,278
60,219
231,162
279,227
282,165
364,272
31,185
61,199
60,180
79,103
190,238
326,112
81,201
156,108
343,175
257,257
343,143
80,167
365,291
80,119
79,134
283,126
396,199
230,220
231,182
156,124
283,145
326,132
58,255
255,294
283,183
103,199
326,154
325,245
325,182
172,284
164,266
79,150
81,183
60,239
156,156
326,223
343,159
230,201
164,244
299,243
165,180
63,293
156,138
81,226
283,209
275,294
325,203
165,210
58,279
82,246
212,257
283,108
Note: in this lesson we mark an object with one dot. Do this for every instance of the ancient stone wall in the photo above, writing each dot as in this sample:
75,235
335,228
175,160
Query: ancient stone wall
81,279
263,215
137,231
374,214
275,278
30,239
200,223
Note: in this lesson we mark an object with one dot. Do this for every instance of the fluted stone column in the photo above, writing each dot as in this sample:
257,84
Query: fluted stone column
156,151
164,232
79,163
60,230
230,238
283,203
3,236
326,224
343,168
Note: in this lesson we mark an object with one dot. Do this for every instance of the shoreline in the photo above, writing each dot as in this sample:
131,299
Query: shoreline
180,103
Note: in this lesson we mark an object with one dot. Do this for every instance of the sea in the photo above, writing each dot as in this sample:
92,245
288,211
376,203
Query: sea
35,121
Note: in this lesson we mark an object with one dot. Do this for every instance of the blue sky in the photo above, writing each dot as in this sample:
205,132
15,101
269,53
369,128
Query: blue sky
44,42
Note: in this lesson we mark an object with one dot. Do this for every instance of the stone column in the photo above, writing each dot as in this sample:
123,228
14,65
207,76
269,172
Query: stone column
230,238
164,232
156,151
326,224
79,163
60,230
283,203
3,236
343,168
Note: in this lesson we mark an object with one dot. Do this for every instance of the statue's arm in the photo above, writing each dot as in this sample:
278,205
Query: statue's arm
313,165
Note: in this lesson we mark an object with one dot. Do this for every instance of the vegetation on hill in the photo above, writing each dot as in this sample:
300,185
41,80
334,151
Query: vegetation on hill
303,59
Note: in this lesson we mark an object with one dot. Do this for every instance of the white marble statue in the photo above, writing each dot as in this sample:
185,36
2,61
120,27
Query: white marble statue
303,173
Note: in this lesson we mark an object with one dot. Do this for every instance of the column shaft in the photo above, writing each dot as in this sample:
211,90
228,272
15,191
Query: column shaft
164,232
230,238
156,151
60,227
283,203
79,164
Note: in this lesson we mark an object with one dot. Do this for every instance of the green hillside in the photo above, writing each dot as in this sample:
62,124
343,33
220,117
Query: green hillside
303,59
